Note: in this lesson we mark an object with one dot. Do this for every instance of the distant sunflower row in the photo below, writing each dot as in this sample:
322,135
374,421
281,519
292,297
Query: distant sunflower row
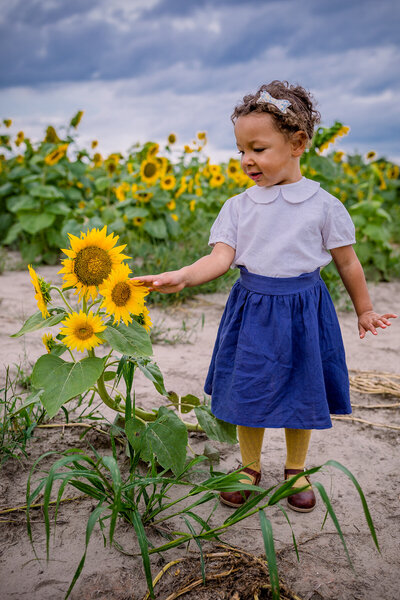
94,267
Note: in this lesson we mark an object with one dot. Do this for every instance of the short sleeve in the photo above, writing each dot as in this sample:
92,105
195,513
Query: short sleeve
338,229
224,228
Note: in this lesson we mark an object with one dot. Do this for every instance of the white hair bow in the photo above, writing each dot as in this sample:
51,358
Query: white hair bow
282,105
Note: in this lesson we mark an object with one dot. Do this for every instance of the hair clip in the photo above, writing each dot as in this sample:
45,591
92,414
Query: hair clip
266,98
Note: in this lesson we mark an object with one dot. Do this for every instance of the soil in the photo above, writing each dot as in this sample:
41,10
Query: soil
184,338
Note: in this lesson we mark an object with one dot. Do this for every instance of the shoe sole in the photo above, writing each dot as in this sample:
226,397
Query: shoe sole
230,503
303,510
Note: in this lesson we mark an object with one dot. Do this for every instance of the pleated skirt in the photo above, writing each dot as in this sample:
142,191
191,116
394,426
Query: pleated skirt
279,360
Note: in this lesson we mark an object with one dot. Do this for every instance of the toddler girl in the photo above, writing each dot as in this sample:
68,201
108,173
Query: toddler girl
278,359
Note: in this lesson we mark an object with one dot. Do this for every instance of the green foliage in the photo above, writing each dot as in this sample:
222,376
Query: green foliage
17,420
163,201
150,499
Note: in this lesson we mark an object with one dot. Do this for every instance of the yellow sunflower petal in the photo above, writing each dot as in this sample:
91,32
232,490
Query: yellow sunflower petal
40,298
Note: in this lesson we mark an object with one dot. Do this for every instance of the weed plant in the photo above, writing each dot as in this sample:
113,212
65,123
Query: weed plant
165,502
17,422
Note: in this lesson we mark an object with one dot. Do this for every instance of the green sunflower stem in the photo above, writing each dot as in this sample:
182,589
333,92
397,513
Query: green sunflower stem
108,401
140,413
54,287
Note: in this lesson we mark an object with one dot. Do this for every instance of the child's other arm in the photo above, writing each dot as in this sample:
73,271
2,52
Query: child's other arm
352,275
205,269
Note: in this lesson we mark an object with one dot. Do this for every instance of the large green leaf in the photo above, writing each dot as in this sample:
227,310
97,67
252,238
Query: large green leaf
132,340
135,431
61,380
33,222
36,321
168,438
12,233
58,208
102,184
136,211
152,371
23,202
46,191
157,229
6,189
215,428
18,173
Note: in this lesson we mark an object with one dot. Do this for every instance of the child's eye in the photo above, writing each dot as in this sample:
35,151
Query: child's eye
240,152
259,149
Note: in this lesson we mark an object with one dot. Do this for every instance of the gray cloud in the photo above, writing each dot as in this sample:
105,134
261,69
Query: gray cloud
177,65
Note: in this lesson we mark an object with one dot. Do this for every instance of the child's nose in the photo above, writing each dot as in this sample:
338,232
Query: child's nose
247,160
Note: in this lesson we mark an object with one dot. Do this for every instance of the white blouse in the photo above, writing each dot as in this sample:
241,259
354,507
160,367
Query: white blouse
283,230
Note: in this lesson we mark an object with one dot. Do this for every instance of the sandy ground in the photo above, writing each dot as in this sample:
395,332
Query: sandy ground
185,338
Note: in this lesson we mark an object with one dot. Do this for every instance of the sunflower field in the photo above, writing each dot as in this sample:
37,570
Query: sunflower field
162,200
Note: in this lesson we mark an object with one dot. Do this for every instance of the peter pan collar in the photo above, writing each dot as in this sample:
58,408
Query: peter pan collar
292,192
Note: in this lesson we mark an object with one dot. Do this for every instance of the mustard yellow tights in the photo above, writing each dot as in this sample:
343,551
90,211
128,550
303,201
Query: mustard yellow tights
297,441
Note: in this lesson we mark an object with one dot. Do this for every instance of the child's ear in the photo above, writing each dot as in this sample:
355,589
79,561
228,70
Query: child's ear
298,142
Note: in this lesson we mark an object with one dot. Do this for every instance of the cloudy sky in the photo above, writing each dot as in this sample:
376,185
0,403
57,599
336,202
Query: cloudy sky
141,69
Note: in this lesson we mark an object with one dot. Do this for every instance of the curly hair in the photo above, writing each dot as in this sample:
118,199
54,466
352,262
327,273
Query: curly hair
301,116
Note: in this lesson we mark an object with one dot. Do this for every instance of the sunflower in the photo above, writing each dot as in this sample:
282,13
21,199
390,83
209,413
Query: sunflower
393,172
217,180
168,182
233,168
153,150
201,135
163,165
337,157
171,205
144,319
149,171
42,295
192,205
51,136
171,138
123,296
20,138
94,144
91,260
371,155
138,221
97,159
214,169
53,157
80,330
7,122
49,342
174,217
143,196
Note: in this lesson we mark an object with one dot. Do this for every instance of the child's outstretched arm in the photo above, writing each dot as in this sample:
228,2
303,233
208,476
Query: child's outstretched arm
352,275
205,269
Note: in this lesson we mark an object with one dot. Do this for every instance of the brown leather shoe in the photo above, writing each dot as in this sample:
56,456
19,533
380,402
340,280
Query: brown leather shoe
238,498
303,501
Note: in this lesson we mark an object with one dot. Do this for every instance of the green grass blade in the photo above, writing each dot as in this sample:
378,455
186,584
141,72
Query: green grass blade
266,529
291,529
333,516
144,549
94,517
202,564
250,503
111,464
367,514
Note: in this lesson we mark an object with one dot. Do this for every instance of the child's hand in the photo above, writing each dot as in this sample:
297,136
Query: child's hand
369,320
167,283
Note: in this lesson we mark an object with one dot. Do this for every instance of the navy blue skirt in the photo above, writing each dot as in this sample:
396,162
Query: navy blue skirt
279,359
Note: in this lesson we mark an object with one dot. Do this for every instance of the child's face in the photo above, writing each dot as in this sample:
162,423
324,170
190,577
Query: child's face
268,157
